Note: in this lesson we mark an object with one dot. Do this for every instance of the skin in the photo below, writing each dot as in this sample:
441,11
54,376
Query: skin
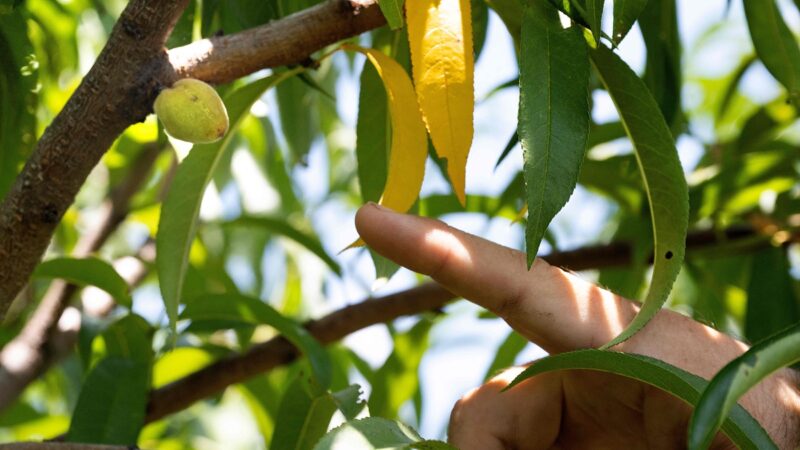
560,312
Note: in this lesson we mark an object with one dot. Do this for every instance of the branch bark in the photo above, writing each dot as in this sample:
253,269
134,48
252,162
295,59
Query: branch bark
119,90
226,58
430,296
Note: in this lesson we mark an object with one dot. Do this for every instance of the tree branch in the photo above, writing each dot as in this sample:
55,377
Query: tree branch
430,296
50,334
226,58
117,91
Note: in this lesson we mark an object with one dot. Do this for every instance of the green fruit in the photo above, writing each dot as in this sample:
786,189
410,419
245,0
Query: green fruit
192,111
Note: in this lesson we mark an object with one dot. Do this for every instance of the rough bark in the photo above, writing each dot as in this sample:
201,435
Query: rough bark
117,91
285,42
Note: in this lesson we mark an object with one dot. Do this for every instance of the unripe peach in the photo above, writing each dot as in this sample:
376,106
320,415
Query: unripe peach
192,111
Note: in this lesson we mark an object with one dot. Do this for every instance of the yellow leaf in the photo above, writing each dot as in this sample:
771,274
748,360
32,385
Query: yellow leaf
409,148
440,39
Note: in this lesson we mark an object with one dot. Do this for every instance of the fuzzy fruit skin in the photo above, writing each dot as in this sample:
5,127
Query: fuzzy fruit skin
192,111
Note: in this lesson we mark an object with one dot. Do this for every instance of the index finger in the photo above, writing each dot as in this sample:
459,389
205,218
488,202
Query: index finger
555,309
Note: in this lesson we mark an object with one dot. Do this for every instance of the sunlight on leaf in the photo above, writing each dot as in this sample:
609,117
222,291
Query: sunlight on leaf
553,119
178,221
661,172
409,142
440,38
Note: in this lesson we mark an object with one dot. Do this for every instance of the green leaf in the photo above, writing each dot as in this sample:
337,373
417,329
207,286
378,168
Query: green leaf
130,337
735,379
553,115
397,380
374,133
627,281
374,433
661,172
280,226
771,301
740,427
393,12
480,25
238,309
662,75
298,119
178,222
774,43
513,344
625,14
349,401
511,13
303,417
87,272
112,402
512,142
594,13
733,86
19,75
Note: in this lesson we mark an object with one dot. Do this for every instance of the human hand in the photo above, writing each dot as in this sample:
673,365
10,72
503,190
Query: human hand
561,312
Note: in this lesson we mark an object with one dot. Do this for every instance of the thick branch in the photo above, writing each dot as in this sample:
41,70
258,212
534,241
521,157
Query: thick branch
117,91
285,42
268,355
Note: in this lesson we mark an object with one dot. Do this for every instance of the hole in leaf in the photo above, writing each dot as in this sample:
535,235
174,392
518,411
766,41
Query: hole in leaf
668,255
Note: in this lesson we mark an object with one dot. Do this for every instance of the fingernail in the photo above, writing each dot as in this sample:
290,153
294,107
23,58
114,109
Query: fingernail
379,207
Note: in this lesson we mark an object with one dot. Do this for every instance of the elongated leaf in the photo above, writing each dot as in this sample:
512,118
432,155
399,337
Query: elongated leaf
740,427
111,406
298,119
774,43
130,338
393,12
661,172
18,80
240,309
733,86
553,115
303,417
373,135
510,12
512,142
440,39
480,25
659,25
279,225
375,433
409,143
771,301
178,222
625,14
594,15
735,379
87,272
397,380
506,353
